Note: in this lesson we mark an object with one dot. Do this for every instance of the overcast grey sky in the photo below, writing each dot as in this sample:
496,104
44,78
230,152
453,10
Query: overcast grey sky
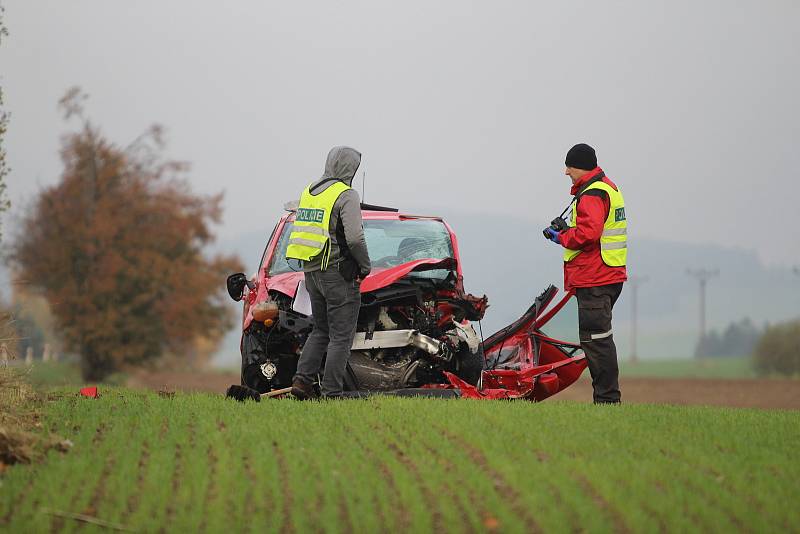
692,106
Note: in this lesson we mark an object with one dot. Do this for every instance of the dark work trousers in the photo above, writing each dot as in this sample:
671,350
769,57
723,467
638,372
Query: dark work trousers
597,340
335,303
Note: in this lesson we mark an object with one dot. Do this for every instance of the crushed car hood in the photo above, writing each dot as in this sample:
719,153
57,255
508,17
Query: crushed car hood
286,283
391,275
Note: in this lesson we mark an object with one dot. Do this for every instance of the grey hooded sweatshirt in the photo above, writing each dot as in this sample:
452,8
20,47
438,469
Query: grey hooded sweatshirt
346,223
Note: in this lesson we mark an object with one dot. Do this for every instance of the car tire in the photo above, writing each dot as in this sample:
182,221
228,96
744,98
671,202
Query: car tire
469,365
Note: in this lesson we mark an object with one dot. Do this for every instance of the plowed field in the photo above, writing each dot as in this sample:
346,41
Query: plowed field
739,393
746,393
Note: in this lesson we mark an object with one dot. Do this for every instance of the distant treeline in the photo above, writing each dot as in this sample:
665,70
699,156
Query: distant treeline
738,339
775,349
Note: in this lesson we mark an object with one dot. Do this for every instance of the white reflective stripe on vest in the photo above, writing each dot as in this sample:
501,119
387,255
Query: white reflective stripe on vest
603,335
306,242
615,231
309,229
612,246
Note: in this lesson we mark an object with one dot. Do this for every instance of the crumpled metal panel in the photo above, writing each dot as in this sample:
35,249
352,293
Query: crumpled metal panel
388,339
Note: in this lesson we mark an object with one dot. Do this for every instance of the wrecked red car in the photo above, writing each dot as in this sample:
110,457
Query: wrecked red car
415,331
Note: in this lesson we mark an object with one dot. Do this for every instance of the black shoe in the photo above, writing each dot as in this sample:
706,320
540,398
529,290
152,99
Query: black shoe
302,391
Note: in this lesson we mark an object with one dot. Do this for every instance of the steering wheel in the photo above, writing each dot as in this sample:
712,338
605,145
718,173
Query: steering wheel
389,261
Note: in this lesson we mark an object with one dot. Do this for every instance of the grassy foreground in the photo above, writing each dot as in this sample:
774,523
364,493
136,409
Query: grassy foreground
200,463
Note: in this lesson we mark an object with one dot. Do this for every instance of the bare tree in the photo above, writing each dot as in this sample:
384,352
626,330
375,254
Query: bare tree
4,118
6,322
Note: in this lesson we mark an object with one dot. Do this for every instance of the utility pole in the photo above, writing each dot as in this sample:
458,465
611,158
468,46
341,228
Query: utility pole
702,276
635,282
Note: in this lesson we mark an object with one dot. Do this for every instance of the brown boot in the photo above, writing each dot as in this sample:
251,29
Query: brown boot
302,391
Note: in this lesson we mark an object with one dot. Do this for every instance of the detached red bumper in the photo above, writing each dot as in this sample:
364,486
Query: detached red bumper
522,362
534,384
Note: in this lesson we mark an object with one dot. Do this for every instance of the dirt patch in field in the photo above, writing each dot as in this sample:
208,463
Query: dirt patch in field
745,393
209,382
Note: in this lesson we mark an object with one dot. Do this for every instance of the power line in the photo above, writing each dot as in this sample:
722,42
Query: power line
635,282
702,276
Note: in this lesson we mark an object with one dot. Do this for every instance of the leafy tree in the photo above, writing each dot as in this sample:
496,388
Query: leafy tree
778,350
117,249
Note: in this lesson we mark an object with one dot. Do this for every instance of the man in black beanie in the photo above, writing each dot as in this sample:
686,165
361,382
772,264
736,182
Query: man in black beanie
595,256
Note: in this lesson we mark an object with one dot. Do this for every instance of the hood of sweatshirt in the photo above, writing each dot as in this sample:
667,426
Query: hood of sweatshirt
342,164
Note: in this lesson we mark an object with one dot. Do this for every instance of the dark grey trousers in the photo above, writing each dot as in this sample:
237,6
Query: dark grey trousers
335,303
597,340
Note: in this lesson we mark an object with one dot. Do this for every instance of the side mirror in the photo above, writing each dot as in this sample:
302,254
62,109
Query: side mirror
236,283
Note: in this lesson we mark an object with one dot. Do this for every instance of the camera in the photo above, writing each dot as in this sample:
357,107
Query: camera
558,224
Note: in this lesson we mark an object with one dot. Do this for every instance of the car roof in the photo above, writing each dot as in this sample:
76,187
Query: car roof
387,215
368,214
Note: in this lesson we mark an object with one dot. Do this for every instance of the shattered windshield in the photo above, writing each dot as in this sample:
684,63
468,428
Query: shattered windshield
394,242
390,242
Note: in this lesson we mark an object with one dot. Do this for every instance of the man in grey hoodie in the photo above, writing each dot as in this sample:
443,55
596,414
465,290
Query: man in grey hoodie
335,288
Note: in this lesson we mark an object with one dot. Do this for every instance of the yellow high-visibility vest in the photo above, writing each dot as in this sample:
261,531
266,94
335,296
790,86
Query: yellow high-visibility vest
310,236
614,240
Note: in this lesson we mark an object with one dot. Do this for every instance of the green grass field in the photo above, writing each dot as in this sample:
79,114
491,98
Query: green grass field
739,367
201,463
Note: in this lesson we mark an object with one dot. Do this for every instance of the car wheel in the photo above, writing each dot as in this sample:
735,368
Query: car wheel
469,365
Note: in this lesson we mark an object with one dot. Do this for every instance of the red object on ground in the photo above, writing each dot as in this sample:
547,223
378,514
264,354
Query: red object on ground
90,393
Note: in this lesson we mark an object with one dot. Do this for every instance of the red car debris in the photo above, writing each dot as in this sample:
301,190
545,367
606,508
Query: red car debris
415,334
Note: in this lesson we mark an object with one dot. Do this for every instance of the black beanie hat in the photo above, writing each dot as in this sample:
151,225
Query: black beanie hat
581,156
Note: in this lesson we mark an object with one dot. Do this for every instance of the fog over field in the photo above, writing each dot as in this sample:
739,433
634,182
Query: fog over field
465,109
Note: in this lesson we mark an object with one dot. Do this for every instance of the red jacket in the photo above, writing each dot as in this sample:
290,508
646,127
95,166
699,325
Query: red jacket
587,269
